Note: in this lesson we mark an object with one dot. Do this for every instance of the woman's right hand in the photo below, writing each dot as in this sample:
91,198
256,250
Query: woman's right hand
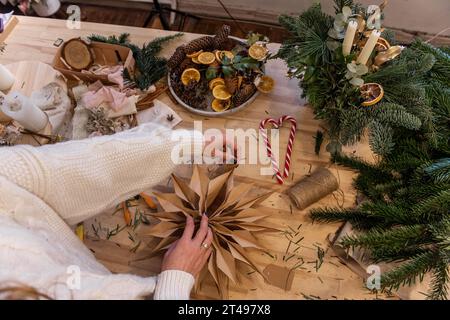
190,253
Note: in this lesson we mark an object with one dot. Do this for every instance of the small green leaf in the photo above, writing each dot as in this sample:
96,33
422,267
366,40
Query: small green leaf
211,73
227,71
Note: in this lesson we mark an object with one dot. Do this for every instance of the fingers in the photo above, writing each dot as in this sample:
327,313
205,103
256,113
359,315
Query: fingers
189,230
202,231
209,238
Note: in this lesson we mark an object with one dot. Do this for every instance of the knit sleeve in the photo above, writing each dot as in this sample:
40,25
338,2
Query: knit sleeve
79,179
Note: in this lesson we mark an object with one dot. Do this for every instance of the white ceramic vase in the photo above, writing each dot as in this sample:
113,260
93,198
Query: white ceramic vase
46,8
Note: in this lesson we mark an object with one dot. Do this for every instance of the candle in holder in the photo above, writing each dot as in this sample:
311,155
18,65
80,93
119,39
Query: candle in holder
368,48
349,37
22,109
6,78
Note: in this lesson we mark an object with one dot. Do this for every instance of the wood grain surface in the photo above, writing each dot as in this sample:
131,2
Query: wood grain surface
33,39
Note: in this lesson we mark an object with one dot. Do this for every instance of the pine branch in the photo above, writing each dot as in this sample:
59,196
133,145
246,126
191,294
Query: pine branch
358,219
408,272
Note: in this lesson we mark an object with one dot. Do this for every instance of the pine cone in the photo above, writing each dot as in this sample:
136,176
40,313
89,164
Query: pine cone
232,84
2,130
244,94
222,36
185,64
202,43
177,57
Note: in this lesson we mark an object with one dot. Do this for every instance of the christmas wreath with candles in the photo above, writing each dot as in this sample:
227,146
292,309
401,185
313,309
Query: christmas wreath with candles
355,76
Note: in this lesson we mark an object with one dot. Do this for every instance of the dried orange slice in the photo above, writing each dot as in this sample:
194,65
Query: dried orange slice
258,52
206,57
195,60
266,84
215,82
220,105
190,74
194,54
382,44
221,53
372,93
220,92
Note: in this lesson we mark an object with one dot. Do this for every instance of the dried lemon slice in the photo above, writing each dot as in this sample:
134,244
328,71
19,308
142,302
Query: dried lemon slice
258,52
206,57
220,92
266,84
194,54
221,53
220,105
190,74
372,93
215,82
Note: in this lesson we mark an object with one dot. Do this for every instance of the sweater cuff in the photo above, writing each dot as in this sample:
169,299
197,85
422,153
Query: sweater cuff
174,285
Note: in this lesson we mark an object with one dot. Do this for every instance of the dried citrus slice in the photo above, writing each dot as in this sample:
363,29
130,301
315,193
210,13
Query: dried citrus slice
221,53
195,60
190,74
382,44
194,54
266,84
215,82
220,105
371,93
220,92
258,52
206,57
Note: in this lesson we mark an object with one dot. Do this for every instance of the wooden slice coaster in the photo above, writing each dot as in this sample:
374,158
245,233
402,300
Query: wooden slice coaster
77,54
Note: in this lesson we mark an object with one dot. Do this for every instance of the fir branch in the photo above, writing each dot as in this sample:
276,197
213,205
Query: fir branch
407,273
149,67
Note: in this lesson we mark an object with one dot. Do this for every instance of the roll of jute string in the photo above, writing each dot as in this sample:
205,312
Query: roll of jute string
312,188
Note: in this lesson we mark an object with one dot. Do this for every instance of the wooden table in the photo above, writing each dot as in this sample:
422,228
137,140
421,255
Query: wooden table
33,39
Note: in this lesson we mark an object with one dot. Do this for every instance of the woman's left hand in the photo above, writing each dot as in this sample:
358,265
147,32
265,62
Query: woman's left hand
190,253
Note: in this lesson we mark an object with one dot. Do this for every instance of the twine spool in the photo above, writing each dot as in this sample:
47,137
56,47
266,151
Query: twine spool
313,188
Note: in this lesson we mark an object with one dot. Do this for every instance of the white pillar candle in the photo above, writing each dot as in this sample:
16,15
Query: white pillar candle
368,48
349,37
22,109
6,78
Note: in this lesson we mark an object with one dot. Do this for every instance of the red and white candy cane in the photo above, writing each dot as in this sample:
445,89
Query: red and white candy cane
287,163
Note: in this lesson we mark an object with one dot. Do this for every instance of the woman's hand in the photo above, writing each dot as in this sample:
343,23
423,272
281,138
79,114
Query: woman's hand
190,252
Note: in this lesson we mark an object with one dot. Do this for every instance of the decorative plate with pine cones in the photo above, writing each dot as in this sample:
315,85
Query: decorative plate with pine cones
217,75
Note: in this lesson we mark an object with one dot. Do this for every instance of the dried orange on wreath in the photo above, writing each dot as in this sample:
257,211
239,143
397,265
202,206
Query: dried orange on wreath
215,82
382,44
265,84
190,74
206,57
195,60
194,54
220,92
221,53
258,52
220,105
371,93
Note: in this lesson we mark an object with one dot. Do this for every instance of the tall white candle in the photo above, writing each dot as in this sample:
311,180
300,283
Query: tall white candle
349,37
368,48
22,109
6,78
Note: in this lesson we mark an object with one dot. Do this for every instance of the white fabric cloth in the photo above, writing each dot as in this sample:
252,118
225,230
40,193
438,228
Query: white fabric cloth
44,190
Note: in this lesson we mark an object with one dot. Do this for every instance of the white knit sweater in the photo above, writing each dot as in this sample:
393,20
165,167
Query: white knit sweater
44,190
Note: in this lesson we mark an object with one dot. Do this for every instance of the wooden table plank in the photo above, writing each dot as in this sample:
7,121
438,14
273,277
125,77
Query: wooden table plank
33,39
